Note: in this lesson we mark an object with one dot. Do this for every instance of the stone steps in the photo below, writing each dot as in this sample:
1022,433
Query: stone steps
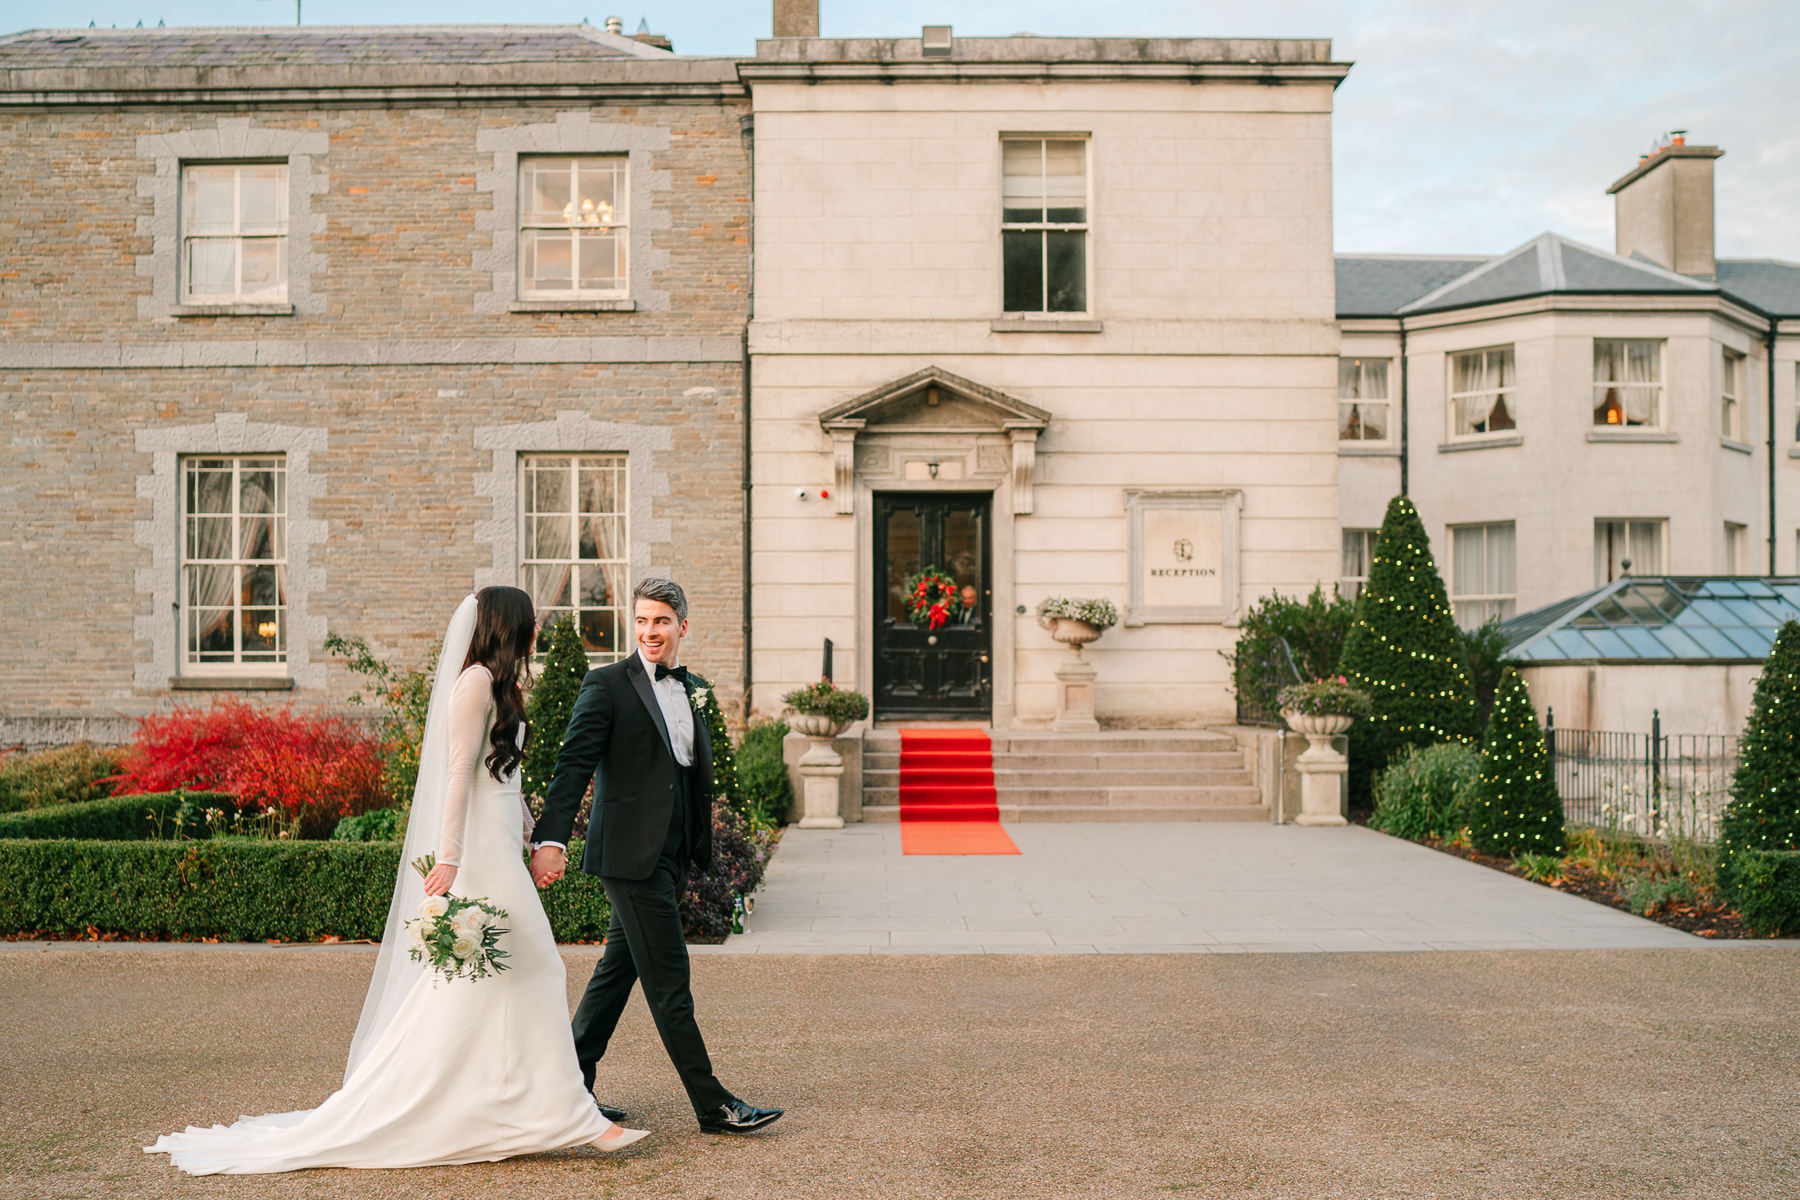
1101,812
1105,796
1194,760
1011,779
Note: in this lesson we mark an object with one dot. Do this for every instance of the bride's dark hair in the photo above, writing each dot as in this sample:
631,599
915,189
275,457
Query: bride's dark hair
504,624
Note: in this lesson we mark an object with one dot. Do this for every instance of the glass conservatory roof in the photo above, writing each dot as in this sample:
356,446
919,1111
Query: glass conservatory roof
1658,619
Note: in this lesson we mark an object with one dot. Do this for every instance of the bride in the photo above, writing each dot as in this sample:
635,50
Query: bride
459,1071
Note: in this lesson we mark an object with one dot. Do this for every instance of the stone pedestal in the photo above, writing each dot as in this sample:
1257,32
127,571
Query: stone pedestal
1322,769
1075,696
822,774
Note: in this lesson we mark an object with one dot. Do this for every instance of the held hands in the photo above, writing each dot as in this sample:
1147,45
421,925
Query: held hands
440,879
548,864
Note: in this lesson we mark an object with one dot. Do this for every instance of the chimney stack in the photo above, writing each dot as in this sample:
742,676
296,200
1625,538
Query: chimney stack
1663,208
796,18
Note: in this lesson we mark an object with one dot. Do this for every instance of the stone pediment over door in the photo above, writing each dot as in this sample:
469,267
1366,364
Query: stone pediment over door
936,405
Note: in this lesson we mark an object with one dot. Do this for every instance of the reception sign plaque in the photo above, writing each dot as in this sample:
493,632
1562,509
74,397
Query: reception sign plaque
1184,556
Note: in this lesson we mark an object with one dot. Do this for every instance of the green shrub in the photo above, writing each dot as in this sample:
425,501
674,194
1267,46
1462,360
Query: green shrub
827,699
1764,812
1282,641
116,818
1766,890
1324,698
234,889
1427,791
1405,650
62,775
1516,807
763,775
552,702
377,825
405,699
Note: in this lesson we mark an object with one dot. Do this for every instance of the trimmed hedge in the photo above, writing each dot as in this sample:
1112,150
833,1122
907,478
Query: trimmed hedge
114,819
61,775
1765,888
234,889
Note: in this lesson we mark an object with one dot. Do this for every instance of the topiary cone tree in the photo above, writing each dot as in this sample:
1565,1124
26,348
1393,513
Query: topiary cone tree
1516,807
551,704
1405,650
1764,812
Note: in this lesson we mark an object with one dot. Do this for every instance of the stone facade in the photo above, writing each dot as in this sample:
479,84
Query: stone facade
406,389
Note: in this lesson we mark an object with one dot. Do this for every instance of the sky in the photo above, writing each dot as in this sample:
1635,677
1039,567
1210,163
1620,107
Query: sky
1465,127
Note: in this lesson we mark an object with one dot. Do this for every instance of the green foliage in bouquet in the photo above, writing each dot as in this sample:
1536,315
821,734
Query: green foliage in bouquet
551,703
1405,650
1516,807
456,936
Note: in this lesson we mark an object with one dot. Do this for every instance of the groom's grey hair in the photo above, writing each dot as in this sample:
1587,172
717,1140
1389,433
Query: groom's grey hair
663,591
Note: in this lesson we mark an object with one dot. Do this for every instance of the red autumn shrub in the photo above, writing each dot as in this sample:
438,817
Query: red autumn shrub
311,770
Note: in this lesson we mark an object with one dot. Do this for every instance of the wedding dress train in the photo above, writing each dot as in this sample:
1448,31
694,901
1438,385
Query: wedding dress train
463,1071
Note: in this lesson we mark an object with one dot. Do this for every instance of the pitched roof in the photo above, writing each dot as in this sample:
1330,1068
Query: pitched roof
1768,283
321,45
1377,285
1658,619
1553,263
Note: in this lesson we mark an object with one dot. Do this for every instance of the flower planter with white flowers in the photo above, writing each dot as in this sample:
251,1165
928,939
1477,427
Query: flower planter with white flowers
1075,623
1321,710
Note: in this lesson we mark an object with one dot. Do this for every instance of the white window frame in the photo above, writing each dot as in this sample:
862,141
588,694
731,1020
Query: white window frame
1603,567
1509,392
1350,586
620,229
1657,388
277,294
189,656
620,464
1732,371
1503,604
1085,228
1361,363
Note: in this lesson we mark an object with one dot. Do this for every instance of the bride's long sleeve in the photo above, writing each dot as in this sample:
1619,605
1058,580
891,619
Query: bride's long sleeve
469,702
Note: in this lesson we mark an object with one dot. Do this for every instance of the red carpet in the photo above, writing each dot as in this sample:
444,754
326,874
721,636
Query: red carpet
947,799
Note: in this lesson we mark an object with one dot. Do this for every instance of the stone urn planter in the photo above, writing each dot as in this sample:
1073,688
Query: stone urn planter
821,712
1075,623
1073,633
1321,767
817,726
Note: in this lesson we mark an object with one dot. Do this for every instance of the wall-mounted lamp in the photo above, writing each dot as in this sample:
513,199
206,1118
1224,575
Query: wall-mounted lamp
932,467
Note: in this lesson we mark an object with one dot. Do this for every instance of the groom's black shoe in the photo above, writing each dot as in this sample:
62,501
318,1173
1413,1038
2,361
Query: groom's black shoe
737,1117
615,1115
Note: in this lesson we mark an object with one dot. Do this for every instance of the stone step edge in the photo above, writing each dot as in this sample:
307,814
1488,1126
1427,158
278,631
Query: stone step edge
880,814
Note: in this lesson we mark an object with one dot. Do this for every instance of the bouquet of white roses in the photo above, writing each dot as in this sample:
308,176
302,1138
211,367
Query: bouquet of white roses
455,936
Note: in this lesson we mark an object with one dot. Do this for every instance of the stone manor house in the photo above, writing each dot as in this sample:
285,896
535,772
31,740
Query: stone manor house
314,330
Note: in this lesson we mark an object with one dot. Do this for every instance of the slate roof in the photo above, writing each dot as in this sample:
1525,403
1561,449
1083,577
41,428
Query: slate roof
1404,285
325,46
1658,619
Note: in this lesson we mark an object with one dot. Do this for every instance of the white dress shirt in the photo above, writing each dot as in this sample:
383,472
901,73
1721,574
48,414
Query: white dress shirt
678,713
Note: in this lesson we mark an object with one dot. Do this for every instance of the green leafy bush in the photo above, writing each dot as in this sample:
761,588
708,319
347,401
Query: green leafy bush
1764,812
739,855
61,775
827,699
1405,650
1427,791
551,703
233,889
763,775
378,825
1766,890
116,818
1486,648
1516,807
405,699
1332,697
1283,641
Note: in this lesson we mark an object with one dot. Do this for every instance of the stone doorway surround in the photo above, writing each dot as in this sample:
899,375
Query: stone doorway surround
934,431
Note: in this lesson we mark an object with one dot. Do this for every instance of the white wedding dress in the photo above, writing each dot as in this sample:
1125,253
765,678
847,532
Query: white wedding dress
462,1071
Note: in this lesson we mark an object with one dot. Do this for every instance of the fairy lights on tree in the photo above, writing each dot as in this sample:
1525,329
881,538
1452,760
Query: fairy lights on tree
1516,808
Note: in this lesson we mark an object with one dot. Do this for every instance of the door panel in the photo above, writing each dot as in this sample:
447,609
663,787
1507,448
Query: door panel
922,672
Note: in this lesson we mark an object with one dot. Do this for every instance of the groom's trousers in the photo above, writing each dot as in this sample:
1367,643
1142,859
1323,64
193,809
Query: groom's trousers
644,943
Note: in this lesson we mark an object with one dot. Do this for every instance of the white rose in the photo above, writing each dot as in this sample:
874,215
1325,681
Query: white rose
415,930
465,945
468,921
433,907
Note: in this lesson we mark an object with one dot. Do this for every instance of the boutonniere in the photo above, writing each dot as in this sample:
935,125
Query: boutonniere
698,698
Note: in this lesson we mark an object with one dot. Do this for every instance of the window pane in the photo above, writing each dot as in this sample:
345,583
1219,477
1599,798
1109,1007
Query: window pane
212,267
547,197
209,489
1470,563
261,587
210,635
1065,182
547,537
211,197
1468,373
262,193
599,199
265,264
1501,559
256,491
1067,265
210,586
549,486
602,537
549,262
549,585
1646,547
209,539
1362,422
1375,378
1642,362
1023,256
599,631
1022,180
261,632
600,266
600,485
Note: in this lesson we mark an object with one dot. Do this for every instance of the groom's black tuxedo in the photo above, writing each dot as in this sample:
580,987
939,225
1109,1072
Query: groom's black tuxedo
618,728
652,820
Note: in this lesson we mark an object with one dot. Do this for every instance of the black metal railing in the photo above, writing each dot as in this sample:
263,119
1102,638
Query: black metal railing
1649,784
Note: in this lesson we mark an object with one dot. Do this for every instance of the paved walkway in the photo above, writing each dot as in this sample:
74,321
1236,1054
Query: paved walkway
1155,888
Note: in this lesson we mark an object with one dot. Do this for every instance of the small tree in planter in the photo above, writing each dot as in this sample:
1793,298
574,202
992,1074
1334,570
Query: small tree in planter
1516,808
1405,650
1761,826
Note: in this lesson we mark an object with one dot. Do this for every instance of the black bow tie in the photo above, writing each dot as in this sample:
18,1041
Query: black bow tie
663,673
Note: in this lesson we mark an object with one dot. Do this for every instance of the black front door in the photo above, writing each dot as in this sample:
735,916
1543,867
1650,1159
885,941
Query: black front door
922,671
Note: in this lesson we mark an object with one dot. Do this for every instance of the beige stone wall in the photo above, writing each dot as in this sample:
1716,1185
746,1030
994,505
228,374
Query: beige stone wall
396,375
878,254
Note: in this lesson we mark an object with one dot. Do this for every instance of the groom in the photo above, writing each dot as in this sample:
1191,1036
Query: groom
652,819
